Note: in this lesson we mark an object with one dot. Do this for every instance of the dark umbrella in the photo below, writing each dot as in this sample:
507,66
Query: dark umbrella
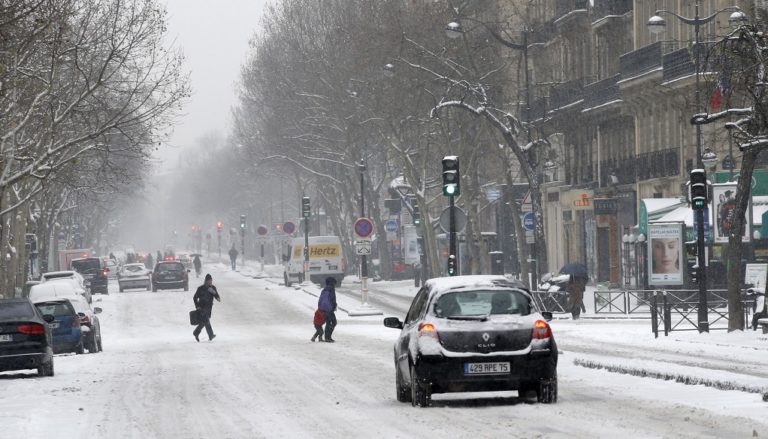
196,254
574,269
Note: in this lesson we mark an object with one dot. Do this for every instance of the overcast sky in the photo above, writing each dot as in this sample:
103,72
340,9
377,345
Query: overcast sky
214,36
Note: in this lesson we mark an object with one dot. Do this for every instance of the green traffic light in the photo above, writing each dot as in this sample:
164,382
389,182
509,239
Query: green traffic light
450,189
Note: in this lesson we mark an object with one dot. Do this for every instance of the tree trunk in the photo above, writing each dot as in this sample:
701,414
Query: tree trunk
735,245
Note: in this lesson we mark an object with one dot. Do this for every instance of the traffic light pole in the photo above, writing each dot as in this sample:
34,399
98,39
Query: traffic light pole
242,245
363,258
702,272
306,249
452,239
218,235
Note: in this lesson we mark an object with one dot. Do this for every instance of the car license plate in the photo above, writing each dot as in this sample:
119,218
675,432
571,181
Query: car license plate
5,337
333,267
54,325
486,368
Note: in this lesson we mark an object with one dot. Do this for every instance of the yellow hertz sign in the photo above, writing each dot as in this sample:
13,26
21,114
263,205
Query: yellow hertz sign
317,251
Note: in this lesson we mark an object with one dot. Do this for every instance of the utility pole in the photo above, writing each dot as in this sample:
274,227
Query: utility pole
218,236
242,237
363,258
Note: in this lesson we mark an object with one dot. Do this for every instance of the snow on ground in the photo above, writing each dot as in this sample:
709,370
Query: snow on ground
262,377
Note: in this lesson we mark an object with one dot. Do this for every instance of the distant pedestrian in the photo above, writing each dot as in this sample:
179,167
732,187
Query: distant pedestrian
318,321
159,256
327,304
233,256
149,262
576,287
204,304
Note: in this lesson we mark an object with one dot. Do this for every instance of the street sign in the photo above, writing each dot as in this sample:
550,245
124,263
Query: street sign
363,246
528,223
262,230
363,227
460,218
391,226
289,228
526,205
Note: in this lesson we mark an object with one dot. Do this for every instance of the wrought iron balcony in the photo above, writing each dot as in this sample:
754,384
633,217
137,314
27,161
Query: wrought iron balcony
601,92
563,7
680,63
566,93
640,61
604,8
645,166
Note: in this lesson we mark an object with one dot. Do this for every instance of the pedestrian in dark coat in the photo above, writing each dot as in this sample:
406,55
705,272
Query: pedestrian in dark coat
318,321
233,256
149,262
576,287
327,304
203,298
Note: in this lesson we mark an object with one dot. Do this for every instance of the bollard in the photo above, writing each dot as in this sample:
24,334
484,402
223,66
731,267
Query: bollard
497,262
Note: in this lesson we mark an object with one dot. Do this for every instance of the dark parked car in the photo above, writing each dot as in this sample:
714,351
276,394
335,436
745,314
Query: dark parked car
170,274
471,334
25,338
95,273
65,328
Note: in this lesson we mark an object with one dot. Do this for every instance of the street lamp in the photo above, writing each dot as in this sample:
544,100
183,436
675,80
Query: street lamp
657,24
454,30
709,158
389,70
549,167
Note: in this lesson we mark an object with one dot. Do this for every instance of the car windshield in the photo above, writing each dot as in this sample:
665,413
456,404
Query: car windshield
86,265
169,267
134,268
57,309
13,310
482,303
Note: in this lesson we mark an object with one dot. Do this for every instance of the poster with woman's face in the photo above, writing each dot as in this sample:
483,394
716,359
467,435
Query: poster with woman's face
665,252
724,203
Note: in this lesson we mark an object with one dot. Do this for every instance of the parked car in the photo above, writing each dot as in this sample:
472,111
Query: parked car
168,275
58,288
25,337
65,328
89,324
474,333
68,274
95,272
112,268
134,276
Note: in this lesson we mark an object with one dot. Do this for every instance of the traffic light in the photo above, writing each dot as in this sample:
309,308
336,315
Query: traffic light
305,209
242,222
699,189
451,177
451,265
693,271
219,225
416,215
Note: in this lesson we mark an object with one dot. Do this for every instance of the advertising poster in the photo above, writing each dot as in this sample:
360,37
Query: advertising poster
665,252
756,275
724,204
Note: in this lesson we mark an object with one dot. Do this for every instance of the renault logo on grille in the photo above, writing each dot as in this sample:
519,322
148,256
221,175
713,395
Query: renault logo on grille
486,336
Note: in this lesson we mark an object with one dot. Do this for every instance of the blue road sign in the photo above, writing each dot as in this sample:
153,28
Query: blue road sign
391,226
528,221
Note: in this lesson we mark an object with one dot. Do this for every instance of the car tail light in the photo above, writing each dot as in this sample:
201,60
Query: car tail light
104,272
428,330
85,320
541,330
76,322
33,329
343,264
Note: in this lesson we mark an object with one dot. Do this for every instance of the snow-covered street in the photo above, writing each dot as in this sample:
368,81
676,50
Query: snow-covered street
262,377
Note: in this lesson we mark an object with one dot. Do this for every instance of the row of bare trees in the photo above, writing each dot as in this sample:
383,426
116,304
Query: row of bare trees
87,90
335,84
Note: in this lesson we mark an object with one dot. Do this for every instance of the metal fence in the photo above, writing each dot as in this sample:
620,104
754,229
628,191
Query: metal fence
677,310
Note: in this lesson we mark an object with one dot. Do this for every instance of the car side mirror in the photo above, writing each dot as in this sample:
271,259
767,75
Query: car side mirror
547,315
97,310
285,258
81,314
393,322
189,271
49,318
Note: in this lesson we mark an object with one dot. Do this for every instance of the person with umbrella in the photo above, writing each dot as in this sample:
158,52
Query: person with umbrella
576,286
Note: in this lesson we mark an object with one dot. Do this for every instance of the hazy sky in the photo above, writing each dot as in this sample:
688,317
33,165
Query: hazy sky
214,36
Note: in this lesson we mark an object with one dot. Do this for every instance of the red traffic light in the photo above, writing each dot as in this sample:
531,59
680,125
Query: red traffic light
219,225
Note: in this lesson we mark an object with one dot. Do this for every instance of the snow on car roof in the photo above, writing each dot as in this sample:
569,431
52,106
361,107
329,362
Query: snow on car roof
441,284
58,273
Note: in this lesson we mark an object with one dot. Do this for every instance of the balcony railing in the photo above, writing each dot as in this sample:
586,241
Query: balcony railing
640,61
645,166
538,109
563,7
566,93
601,92
680,63
604,8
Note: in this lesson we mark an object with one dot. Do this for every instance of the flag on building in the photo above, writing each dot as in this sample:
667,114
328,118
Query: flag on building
722,85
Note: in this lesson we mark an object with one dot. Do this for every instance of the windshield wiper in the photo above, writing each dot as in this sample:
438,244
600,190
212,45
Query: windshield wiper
480,318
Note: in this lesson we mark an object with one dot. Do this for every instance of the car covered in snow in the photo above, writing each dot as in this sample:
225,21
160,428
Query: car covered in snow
61,287
134,275
472,334
25,337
